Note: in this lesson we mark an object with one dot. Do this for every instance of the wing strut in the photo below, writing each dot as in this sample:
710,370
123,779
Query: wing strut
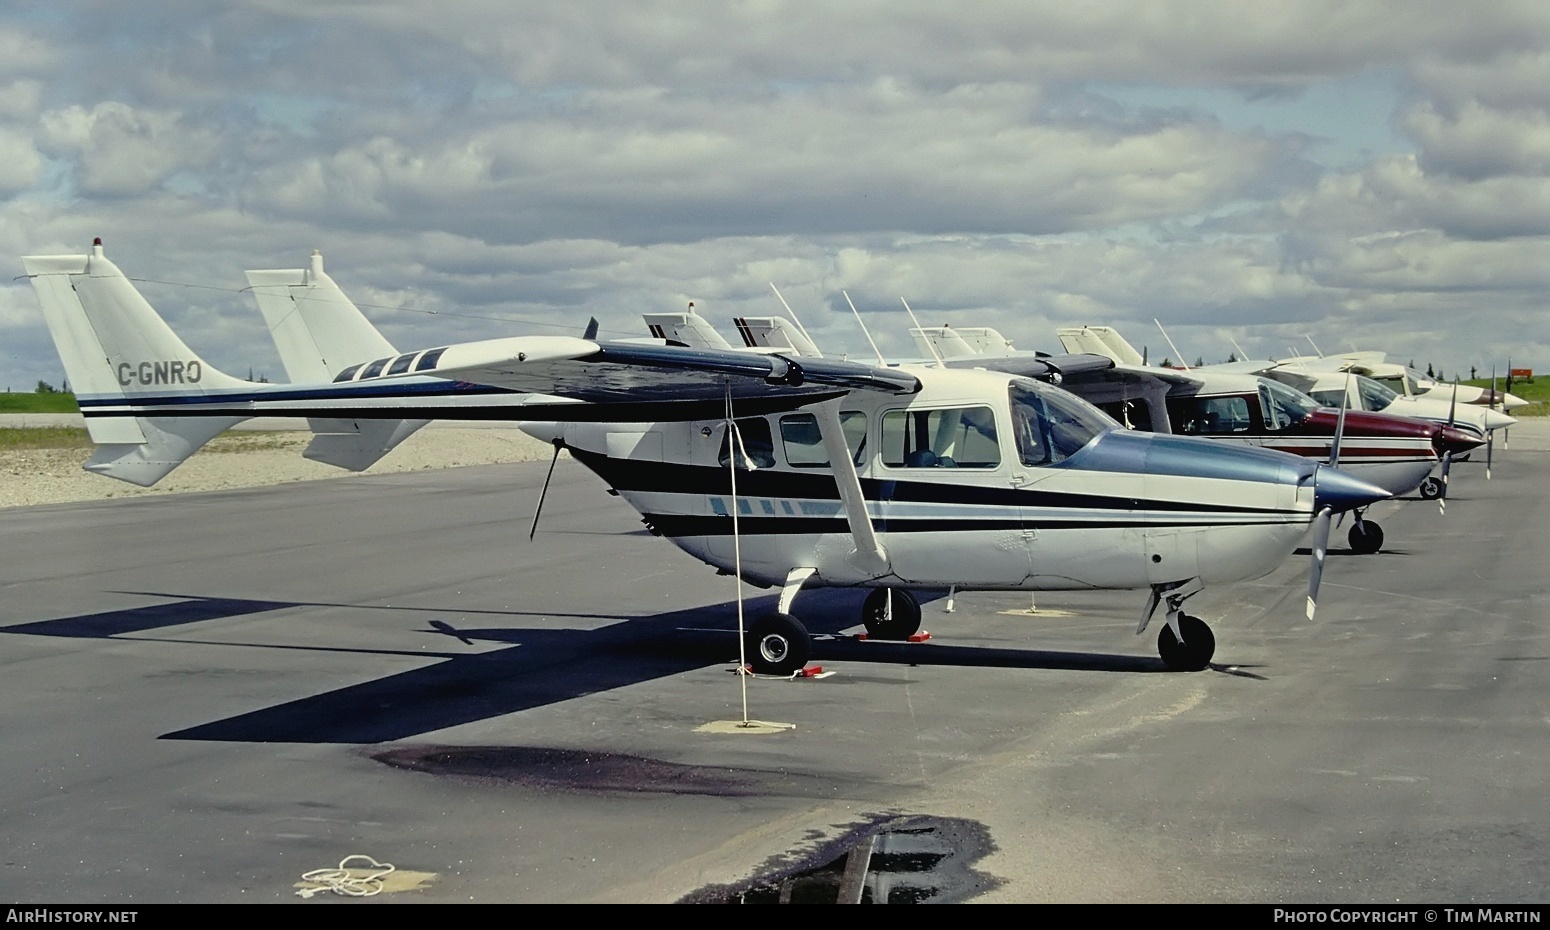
869,549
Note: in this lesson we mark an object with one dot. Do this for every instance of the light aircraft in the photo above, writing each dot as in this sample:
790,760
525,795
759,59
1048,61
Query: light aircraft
1407,382
1393,451
785,473
1328,386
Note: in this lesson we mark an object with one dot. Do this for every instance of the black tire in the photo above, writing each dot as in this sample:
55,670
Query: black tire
1431,488
1365,537
778,644
1192,655
905,621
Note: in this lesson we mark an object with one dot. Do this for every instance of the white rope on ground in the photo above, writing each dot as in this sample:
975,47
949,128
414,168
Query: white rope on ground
357,883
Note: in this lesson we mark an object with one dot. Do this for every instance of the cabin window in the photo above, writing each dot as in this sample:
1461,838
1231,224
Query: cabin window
1210,416
755,443
375,368
958,437
400,364
429,359
347,374
1131,414
803,443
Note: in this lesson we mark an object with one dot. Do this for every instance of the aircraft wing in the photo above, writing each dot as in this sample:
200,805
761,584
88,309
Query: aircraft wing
1132,374
617,375
1056,368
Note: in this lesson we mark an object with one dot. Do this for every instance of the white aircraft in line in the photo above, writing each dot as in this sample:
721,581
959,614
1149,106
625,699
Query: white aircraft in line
1407,382
786,473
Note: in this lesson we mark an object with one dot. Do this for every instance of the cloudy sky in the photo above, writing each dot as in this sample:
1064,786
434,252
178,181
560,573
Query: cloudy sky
1372,174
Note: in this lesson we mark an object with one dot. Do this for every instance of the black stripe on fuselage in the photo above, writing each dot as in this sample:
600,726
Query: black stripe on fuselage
683,525
678,478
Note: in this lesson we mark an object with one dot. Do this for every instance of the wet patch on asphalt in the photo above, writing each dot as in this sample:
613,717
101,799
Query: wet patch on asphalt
578,770
914,859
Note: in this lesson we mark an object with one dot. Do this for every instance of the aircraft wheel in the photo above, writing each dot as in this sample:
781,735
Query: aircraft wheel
778,644
1192,655
905,621
1431,488
1365,537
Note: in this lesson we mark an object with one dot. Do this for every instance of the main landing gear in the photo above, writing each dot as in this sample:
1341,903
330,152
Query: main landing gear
890,613
778,644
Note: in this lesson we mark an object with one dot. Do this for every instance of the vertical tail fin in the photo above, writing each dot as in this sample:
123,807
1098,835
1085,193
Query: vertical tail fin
319,332
124,361
688,329
775,332
1099,340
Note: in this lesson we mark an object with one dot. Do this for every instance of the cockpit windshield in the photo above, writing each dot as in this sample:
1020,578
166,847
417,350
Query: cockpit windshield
1285,406
1050,424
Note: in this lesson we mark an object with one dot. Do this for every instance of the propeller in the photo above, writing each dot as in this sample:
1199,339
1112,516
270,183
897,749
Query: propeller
1321,520
1490,435
1447,457
1320,548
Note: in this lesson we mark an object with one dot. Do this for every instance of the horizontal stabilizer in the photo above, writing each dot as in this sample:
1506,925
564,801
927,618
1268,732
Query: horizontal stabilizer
356,444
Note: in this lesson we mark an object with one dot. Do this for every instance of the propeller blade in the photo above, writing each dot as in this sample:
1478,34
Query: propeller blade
1442,499
1320,548
1453,407
1334,446
1490,440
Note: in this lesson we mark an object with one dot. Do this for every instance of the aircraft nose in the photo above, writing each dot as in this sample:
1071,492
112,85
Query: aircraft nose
1452,439
1495,419
1340,492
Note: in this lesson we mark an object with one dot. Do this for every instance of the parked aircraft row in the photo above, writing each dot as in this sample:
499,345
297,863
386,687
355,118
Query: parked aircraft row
786,468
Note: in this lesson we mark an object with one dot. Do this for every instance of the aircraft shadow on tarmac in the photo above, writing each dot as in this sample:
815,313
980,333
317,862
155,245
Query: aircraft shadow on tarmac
540,666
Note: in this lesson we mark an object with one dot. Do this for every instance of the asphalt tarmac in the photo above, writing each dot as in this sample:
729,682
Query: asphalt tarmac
206,696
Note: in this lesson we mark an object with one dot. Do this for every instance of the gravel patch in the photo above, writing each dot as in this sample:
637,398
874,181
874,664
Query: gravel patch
246,459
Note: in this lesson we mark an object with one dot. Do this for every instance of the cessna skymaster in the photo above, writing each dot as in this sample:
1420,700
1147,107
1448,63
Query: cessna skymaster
787,474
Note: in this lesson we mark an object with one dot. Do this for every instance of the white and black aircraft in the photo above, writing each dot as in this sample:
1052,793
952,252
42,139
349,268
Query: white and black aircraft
787,473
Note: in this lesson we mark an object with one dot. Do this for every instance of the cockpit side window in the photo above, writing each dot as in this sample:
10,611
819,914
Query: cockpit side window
803,443
1374,396
1210,416
754,441
955,437
1284,406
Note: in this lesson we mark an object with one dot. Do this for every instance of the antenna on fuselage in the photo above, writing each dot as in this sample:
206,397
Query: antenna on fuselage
800,327
929,343
1242,355
880,360
1182,363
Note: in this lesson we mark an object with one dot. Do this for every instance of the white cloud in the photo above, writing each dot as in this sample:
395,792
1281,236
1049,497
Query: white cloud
20,164
119,150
